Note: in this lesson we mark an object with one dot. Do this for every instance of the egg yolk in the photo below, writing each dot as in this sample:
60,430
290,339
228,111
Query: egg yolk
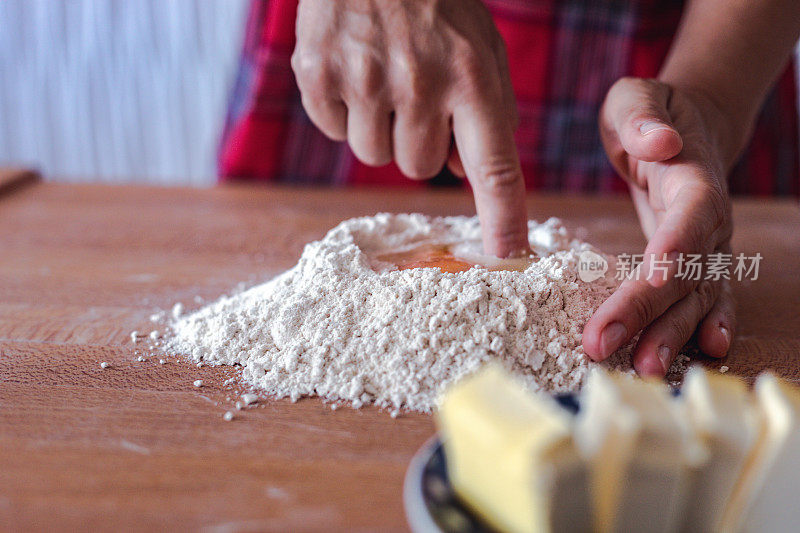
427,256
439,256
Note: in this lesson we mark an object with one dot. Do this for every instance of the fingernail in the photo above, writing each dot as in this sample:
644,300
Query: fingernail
651,126
664,354
727,334
612,336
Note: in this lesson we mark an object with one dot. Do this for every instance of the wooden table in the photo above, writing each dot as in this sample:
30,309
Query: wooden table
136,446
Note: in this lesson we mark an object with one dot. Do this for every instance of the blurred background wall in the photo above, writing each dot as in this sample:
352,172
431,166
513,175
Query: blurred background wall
117,90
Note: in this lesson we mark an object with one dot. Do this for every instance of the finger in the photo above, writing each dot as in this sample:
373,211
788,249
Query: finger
662,340
369,135
635,119
486,147
696,217
633,306
509,99
420,144
330,116
454,162
317,84
715,333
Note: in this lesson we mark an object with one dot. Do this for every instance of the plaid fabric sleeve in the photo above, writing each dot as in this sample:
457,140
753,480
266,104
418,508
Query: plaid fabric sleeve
254,136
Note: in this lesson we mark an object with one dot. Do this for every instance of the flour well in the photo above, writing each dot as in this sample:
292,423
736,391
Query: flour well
345,325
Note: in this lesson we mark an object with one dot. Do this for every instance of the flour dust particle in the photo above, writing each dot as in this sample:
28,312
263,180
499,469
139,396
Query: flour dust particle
345,324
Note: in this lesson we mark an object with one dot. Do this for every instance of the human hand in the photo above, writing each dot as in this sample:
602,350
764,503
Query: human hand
400,80
667,143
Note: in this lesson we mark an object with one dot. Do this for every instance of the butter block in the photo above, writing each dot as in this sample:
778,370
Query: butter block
510,457
607,442
721,411
641,453
767,493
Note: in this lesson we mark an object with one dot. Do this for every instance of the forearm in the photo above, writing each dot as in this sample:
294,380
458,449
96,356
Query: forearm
731,52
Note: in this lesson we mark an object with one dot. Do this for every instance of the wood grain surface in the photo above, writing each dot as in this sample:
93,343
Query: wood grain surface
137,447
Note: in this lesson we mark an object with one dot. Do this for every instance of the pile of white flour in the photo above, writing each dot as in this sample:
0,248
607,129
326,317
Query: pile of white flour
344,326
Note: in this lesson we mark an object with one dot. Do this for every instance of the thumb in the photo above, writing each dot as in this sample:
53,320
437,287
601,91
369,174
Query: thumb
635,118
485,144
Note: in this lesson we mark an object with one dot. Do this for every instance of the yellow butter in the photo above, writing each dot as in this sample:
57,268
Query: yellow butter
640,450
766,496
509,455
605,434
721,411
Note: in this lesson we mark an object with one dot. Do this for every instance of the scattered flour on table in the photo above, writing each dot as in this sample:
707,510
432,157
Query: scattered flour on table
344,325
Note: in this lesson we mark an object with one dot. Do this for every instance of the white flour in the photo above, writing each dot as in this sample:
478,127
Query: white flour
342,325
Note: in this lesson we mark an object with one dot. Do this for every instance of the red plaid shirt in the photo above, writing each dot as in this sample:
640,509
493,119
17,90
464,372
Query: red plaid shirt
563,56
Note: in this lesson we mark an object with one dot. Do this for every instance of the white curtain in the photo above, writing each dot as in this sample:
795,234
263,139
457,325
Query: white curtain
117,90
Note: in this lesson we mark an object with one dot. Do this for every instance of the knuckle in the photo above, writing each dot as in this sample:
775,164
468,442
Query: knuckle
308,67
412,76
680,327
643,309
366,78
413,97
499,177
706,295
